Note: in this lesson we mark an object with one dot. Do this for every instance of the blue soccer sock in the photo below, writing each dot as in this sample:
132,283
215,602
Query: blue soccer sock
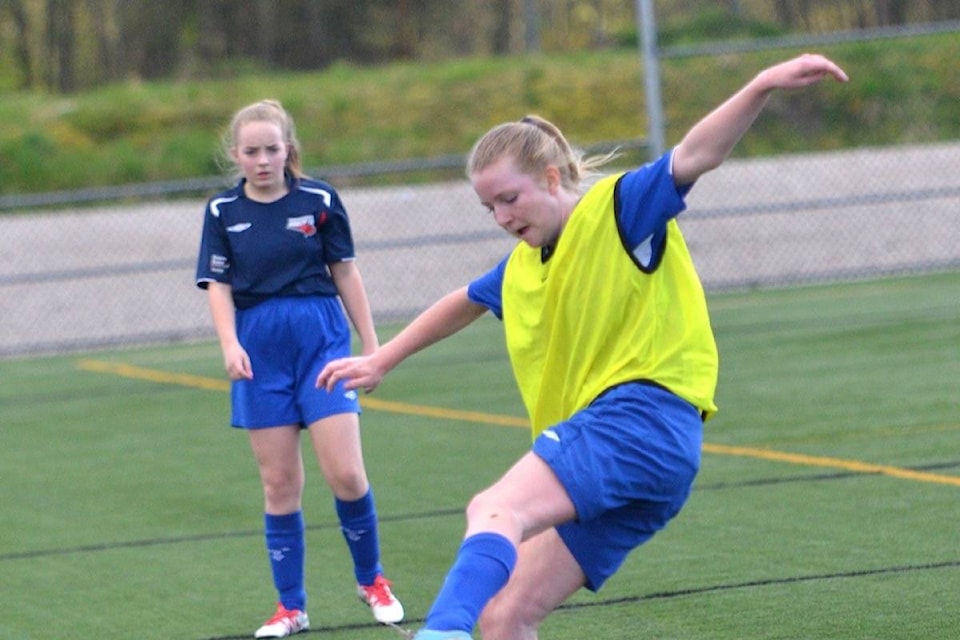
483,566
358,522
285,546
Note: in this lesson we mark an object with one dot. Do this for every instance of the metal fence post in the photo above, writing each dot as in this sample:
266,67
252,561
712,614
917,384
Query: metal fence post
647,29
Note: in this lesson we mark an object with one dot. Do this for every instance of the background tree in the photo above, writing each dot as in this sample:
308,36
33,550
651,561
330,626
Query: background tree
60,45
20,47
66,45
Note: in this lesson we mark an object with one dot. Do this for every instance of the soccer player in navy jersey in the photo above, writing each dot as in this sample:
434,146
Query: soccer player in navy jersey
277,258
610,342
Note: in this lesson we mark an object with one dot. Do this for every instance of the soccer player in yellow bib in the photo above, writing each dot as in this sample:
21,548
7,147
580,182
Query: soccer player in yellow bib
610,341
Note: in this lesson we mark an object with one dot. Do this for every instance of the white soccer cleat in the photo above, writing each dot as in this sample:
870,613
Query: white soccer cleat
285,622
385,606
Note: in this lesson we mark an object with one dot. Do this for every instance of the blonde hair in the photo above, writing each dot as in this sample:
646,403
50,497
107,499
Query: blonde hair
264,111
534,144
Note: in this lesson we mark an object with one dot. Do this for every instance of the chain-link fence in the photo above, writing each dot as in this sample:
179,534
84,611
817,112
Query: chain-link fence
124,274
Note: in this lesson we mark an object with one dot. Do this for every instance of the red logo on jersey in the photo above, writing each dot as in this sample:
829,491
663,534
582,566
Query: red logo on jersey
302,224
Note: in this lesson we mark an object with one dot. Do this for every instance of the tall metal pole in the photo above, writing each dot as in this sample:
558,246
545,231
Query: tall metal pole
647,28
531,28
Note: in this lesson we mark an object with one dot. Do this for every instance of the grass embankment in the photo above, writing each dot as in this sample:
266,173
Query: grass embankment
903,90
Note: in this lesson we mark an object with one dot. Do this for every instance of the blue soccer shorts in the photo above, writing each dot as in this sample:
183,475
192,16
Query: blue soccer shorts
628,462
289,340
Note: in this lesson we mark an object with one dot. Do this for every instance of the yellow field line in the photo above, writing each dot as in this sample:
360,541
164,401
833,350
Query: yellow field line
201,382
831,463
439,412
152,375
213,384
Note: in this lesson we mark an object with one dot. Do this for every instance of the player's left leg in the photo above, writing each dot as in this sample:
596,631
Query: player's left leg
546,574
337,445
528,499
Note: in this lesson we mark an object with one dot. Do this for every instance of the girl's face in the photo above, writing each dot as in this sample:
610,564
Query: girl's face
528,208
261,153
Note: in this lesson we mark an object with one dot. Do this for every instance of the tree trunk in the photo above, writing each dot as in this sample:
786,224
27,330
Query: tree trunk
531,26
891,12
60,45
105,19
21,45
500,36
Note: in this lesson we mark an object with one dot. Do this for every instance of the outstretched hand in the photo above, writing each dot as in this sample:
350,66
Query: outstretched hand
801,71
358,372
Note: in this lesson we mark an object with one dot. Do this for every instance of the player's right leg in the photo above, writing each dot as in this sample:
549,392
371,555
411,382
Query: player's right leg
277,452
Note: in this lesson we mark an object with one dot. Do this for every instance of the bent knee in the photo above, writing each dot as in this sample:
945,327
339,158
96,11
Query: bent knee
485,507
508,618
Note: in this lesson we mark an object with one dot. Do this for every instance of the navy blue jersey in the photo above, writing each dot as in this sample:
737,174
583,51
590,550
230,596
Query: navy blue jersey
276,249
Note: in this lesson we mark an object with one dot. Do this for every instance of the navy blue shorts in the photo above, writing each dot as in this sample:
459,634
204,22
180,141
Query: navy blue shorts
289,340
628,462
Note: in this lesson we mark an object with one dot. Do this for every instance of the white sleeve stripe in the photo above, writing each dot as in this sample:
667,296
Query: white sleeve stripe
327,198
215,205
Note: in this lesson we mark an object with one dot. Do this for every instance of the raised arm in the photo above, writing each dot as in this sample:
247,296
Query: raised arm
710,141
445,317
